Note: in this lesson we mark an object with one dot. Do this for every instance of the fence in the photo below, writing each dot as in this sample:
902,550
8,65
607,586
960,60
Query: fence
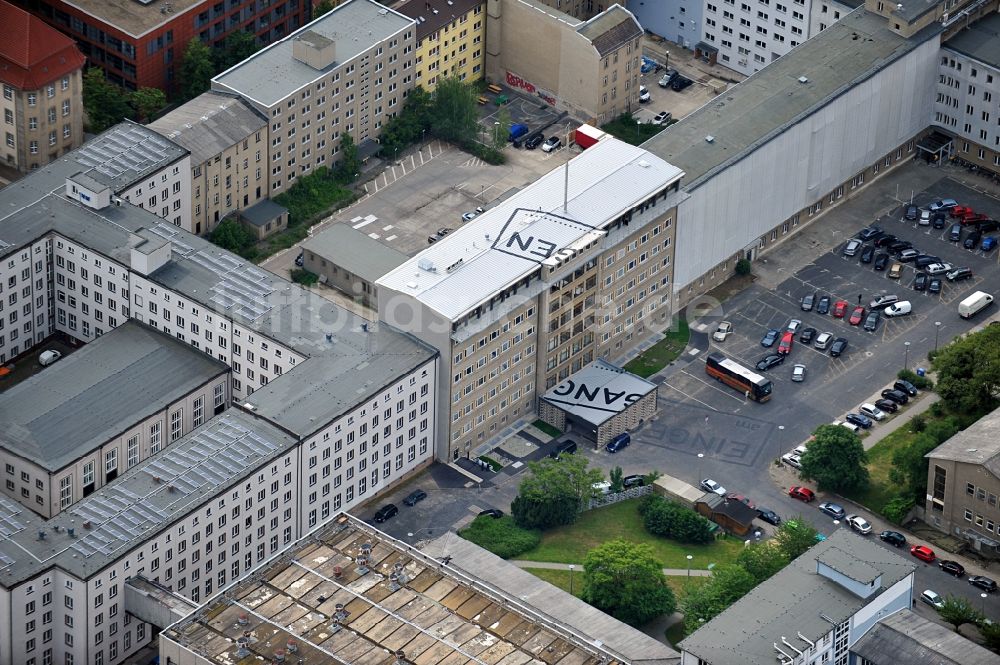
624,495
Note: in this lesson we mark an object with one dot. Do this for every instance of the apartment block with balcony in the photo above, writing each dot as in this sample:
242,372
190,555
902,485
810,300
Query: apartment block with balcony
347,72
451,39
538,286
42,104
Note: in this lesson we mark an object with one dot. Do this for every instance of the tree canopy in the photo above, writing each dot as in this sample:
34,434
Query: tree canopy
105,103
835,459
762,560
968,371
703,602
957,610
237,47
147,102
197,69
626,581
554,492
455,117
795,536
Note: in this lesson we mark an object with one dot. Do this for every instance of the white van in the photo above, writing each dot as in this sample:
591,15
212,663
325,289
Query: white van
901,308
49,357
974,304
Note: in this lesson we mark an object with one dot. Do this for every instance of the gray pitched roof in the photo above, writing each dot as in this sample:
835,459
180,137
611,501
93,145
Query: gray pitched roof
262,212
99,392
355,252
905,637
209,124
980,41
796,601
977,444
610,29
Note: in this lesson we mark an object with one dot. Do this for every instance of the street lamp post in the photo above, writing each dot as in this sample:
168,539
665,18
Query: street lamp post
906,356
689,557
937,329
983,596
571,568
701,456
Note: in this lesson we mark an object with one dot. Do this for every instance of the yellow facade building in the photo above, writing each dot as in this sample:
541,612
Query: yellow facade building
451,37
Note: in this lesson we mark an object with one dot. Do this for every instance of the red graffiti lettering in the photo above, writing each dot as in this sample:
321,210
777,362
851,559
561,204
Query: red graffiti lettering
548,99
515,81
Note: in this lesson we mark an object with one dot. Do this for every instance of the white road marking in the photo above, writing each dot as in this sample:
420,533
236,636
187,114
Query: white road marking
689,396
392,237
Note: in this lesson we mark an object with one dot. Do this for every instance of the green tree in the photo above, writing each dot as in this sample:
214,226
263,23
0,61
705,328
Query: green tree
968,371
197,69
835,459
349,165
909,466
616,476
795,536
410,125
761,560
957,611
455,117
147,101
554,492
991,635
701,603
324,7
743,267
501,130
238,47
235,237
105,103
672,520
626,581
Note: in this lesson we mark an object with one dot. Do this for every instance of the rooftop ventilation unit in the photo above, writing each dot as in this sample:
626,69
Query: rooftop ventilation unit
241,647
709,139
455,266
803,79
426,264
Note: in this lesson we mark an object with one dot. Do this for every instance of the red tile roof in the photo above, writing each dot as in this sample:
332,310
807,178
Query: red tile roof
33,53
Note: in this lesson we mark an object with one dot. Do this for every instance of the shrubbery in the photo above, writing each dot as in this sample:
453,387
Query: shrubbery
501,536
920,382
895,511
672,520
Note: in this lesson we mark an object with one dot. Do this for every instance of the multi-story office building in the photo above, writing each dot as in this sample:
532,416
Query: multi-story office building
589,68
572,268
824,13
451,39
227,139
141,44
76,427
42,104
347,72
750,35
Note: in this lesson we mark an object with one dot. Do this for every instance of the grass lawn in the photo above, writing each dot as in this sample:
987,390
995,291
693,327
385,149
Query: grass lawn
675,633
661,354
625,128
547,428
559,578
881,490
570,544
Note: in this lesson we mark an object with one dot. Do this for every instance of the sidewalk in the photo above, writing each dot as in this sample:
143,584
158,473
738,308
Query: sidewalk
883,430
669,572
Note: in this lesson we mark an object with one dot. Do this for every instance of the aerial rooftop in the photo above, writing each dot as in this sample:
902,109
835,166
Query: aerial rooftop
273,73
508,242
977,444
610,29
751,113
33,53
125,154
585,394
432,15
354,251
99,392
906,637
133,17
351,594
980,41
210,123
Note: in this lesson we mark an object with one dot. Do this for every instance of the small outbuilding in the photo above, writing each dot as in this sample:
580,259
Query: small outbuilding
734,516
265,218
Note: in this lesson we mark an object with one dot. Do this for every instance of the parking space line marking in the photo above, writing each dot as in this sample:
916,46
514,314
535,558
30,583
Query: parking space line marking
708,384
393,237
689,396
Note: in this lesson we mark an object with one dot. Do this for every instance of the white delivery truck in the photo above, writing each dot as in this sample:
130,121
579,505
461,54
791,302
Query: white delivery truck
974,304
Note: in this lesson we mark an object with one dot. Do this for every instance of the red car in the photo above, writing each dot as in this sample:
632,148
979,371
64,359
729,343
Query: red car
840,308
857,315
803,494
923,553
961,211
974,218
785,345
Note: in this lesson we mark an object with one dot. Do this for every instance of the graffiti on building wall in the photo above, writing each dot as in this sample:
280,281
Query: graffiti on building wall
515,81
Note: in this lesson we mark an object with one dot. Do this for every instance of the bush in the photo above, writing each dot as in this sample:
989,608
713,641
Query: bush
501,536
235,237
918,423
304,277
487,153
938,409
313,195
544,514
672,520
920,382
895,511
743,267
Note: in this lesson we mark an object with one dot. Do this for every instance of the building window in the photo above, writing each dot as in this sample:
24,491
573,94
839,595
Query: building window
175,425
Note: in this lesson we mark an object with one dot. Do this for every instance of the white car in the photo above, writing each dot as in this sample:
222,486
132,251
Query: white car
643,94
901,308
662,118
472,214
872,411
932,599
859,524
602,488
938,268
792,460
925,218
793,326
710,485
551,144
49,357
798,373
723,331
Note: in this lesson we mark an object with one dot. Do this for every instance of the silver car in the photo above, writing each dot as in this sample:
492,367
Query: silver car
852,247
723,331
798,373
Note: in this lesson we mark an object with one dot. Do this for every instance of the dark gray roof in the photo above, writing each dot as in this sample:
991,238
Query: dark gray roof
977,444
262,212
585,394
125,154
80,403
432,15
272,74
355,252
209,124
905,637
980,41
764,105
911,10
610,29
736,510
797,600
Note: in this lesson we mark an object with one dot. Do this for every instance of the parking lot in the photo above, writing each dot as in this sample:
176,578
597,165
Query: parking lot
528,110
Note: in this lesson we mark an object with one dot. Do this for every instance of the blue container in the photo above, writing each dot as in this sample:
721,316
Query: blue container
921,371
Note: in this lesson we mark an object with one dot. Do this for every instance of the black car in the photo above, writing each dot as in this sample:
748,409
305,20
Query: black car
807,335
972,240
934,286
300,260
899,246
869,232
912,213
857,419
887,405
983,582
680,82
920,281
871,321
897,396
768,516
415,497
988,226
881,261
385,512
633,481
808,301
939,220
906,387
894,538
838,347
952,567
868,255
886,240
534,141
925,260
491,512
767,362
567,447
823,305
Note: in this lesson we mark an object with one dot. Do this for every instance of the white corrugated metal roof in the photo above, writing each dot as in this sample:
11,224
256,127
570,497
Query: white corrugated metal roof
508,242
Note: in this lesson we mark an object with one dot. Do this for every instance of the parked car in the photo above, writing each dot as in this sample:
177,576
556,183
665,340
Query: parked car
644,94
734,496
785,345
534,141
723,331
801,493
620,442
899,246
769,338
823,341
906,387
894,538
934,286
907,255
988,226
942,204
867,255
823,305
959,274
633,480
911,213
885,240
983,582
920,281
385,512
932,599
925,260
48,357
793,326
897,396
856,315
871,411
887,405
769,361
871,321
495,513
895,271
667,78
807,335
551,143
989,244
852,247
881,261
415,497
834,510
798,373
973,219
955,232
472,214
710,485
869,232
839,308
925,218
662,118
958,211
952,567
808,300
861,421
838,347
300,260
859,524
882,301
768,516
567,447
938,268
939,220
923,553
972,240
